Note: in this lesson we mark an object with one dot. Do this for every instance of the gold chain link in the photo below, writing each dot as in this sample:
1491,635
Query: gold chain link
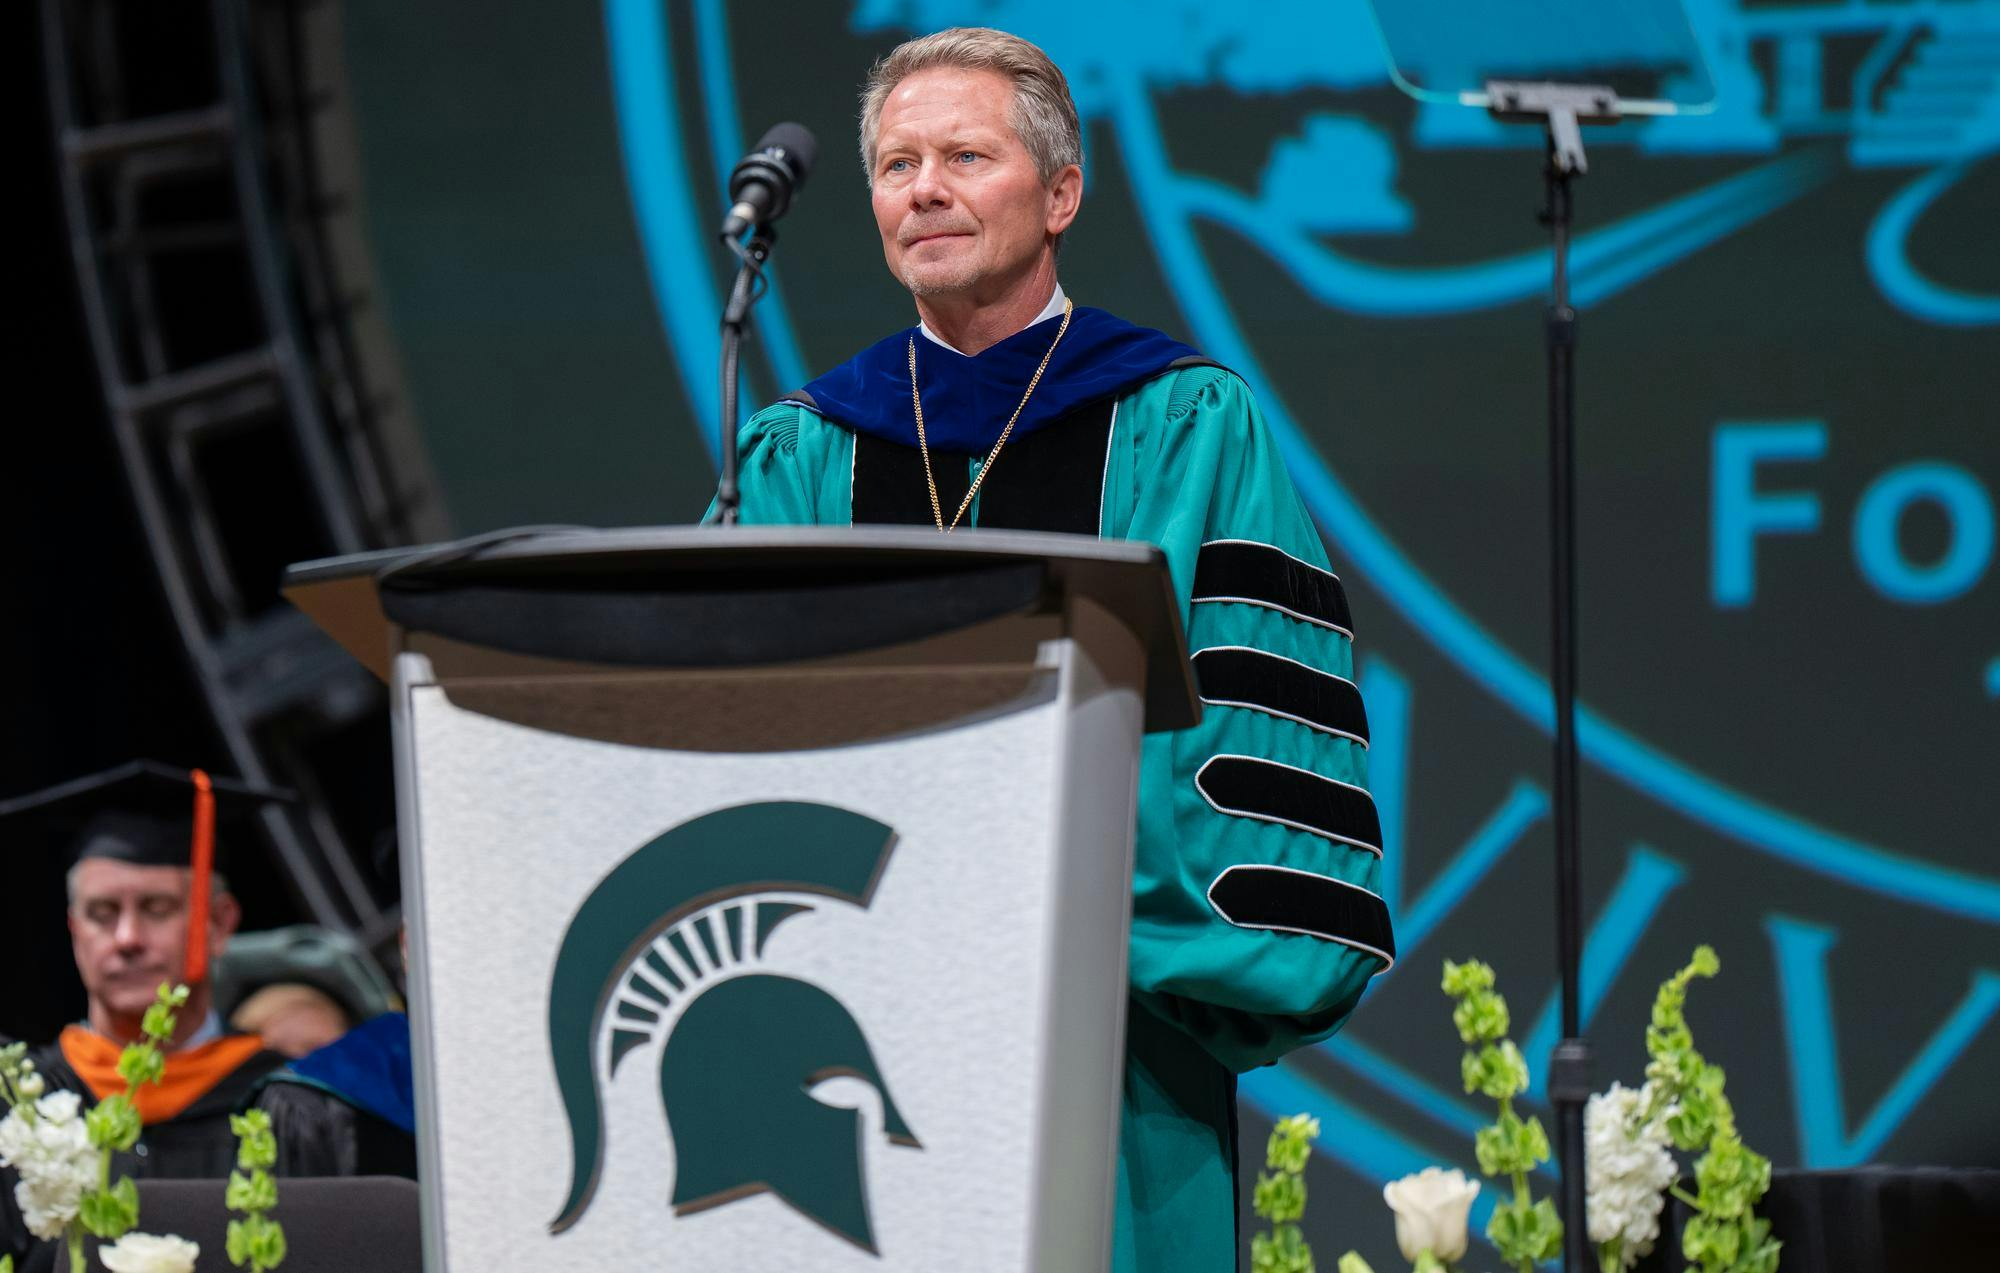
923,444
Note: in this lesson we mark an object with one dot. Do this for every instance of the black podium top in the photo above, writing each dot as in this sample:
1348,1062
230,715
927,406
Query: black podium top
698,596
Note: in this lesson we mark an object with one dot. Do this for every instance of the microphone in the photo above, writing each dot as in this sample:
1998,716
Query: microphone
764,182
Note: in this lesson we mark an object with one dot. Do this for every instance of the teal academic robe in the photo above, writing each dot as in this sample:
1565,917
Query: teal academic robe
1256,921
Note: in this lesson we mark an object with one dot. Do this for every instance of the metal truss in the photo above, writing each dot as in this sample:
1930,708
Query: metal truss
204,244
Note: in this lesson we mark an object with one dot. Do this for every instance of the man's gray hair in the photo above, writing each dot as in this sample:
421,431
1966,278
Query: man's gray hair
218,883
1043,115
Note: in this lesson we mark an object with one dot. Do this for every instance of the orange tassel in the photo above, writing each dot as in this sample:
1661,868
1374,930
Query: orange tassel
201,884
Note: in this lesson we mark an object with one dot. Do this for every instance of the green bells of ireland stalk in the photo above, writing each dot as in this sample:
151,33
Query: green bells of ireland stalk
1726,1235
1524,1230
1280,1198
110,1211
256,1240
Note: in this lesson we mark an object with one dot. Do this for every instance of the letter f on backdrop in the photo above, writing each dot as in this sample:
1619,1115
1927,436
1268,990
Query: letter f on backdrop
1738,513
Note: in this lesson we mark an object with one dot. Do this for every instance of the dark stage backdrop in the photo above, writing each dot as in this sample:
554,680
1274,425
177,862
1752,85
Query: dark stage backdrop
1791,616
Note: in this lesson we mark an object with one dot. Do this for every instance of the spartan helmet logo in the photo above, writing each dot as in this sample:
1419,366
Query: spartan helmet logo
669,947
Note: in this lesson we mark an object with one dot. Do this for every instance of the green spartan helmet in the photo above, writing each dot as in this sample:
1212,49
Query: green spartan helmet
738,1067
736,1075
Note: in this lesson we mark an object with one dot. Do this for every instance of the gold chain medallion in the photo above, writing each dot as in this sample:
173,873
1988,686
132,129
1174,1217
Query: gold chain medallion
923,444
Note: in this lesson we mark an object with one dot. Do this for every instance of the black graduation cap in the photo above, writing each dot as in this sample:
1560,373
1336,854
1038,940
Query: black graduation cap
148,814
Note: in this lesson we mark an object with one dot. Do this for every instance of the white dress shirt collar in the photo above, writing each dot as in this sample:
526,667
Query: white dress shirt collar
1050,310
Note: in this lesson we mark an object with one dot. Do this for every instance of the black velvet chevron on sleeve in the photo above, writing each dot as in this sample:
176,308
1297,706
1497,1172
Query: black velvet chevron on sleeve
1270,792
1262,575
1289,901
1238,676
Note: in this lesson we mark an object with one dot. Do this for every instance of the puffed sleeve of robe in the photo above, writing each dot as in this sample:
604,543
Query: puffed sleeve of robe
792,469
1257,920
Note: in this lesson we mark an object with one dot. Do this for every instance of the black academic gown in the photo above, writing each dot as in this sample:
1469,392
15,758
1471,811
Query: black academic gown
195,1144
348,1140
355,1098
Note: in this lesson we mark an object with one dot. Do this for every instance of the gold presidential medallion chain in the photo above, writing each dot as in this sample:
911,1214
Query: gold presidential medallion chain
923,444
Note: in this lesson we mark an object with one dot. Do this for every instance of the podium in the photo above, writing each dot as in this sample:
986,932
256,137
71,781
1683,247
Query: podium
767,888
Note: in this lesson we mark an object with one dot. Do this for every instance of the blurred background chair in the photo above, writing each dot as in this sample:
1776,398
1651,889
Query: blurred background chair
368,1223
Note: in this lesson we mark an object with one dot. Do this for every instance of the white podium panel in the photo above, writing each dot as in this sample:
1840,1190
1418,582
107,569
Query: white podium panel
709,986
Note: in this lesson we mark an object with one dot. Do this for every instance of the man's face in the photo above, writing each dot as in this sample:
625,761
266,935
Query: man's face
128,929
957,199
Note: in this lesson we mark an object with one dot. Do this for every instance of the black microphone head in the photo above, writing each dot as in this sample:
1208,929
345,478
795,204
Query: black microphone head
794,146
764,182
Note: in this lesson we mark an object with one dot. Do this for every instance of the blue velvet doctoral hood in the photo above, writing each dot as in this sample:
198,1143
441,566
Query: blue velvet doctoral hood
967,400
369,1068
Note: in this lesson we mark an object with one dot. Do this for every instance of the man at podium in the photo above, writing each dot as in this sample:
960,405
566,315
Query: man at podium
1256,924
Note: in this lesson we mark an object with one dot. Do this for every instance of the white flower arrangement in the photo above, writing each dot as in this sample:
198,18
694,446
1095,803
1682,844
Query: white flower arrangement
1628,1165
1629,1157
63,1154
1630,1137
48,1145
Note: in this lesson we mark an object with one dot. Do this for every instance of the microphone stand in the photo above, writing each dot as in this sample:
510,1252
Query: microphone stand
1561,108
742,295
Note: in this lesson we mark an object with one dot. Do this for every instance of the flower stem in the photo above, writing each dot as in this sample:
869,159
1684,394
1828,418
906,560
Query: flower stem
76,1264
1680,1193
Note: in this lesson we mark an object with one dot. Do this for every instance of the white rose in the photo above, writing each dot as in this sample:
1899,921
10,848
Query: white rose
145,1253
1431,1209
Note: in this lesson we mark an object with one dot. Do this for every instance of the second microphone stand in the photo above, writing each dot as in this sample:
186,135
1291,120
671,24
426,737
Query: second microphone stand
1561,109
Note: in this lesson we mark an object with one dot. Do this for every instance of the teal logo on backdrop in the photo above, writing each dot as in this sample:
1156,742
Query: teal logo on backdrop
667,956
1866,123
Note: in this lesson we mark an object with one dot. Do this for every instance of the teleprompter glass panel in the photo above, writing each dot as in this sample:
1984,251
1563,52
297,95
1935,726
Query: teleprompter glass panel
1647,51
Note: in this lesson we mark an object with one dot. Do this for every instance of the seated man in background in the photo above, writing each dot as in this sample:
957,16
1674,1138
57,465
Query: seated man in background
353,1099
291,1017
301,986
369,1126
147,908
